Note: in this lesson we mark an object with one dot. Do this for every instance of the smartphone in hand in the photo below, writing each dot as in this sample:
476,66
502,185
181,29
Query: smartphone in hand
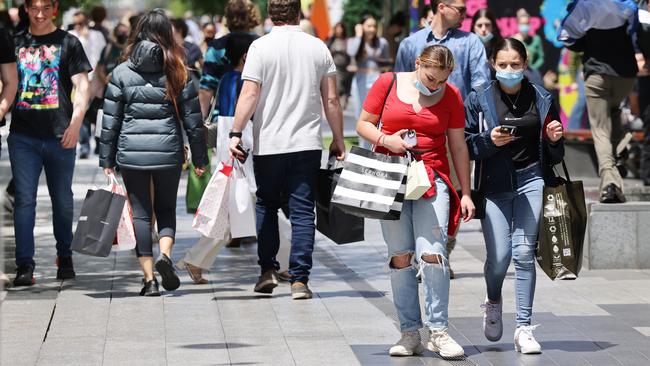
240,147
411,138
508,129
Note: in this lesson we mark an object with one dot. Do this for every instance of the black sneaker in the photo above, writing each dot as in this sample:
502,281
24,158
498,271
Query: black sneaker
65,270
267,282
25,276
150,288
165,268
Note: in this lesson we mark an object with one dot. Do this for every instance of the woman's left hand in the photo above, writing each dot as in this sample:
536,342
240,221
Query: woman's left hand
554,131
467,208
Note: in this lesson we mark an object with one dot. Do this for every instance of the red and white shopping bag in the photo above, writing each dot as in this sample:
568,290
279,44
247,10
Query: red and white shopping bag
125,236
211,219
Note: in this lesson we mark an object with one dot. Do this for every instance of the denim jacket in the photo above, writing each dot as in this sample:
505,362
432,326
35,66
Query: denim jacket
494,170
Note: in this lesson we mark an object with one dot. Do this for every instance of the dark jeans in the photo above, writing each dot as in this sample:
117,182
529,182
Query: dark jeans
280,178
28,157
165,192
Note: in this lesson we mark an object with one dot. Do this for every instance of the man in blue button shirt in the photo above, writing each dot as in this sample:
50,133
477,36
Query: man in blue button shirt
469,55
468,50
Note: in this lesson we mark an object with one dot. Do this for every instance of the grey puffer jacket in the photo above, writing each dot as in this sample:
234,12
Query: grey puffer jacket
140,129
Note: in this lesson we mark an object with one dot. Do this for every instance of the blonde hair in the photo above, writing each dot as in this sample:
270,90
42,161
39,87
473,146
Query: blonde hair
437,56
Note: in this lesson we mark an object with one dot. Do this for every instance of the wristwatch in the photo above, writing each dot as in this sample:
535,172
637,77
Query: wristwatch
234,134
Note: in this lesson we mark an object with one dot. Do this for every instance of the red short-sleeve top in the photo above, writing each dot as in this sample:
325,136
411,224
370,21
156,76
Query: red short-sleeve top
430,124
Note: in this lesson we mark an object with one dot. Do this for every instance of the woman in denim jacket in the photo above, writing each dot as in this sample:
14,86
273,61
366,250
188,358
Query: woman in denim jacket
513,134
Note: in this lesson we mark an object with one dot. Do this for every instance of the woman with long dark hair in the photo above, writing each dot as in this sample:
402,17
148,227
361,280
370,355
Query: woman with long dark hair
148,101
513,132
370,56
484,25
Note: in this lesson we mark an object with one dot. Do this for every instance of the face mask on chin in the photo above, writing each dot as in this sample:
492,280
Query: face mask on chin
423,89
486,38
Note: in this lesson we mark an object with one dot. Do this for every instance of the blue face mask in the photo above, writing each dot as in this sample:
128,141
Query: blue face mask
510,79
423,89
486,38
524,28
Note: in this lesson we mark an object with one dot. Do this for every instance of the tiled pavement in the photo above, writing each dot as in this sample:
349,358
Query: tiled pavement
603,318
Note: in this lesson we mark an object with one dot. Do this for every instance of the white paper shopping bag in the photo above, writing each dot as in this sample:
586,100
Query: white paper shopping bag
211,219
241,209
417,181
125,237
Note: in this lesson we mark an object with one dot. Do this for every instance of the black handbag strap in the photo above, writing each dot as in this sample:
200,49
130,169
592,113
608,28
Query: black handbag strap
567,177
390,88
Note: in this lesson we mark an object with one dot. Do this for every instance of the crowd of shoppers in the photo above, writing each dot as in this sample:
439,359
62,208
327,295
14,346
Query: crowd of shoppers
468,95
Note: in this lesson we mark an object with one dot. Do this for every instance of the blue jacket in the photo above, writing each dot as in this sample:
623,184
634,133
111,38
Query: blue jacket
494,168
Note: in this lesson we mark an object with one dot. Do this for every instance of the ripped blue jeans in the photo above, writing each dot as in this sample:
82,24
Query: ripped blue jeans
510,230
420,231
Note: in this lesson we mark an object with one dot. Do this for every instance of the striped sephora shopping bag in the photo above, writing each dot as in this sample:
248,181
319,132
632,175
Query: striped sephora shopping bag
371,185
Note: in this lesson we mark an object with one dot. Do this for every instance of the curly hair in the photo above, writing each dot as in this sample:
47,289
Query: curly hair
284,11
242,15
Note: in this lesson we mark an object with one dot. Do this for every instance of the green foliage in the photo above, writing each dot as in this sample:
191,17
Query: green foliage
354,10
84,4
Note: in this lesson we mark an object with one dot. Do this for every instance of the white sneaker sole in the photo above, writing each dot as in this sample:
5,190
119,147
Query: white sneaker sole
432,347
401,351
528,351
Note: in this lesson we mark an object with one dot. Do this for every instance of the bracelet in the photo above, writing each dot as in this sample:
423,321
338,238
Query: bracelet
378,139
235,134
382,141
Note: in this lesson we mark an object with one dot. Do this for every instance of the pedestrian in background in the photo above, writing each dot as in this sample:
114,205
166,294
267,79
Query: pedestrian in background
370,55
338,46
484,25
471,67
515,137
422,100
242,17
532,42
289,80
44,132
149,99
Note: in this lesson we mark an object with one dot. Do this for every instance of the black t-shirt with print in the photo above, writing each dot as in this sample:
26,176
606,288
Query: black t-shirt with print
7,54
46,64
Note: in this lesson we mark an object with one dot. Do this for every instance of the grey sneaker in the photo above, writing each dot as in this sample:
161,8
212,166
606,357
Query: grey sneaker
492,321
410,344
300,291
442,343
267,282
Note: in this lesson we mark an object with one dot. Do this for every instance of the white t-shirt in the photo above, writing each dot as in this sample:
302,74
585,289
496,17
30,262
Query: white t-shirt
290,65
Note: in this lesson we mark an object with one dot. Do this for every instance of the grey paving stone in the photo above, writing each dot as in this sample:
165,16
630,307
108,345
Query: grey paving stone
64,351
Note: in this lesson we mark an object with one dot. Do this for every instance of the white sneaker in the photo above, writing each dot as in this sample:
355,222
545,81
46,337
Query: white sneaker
442,343
525,341
492,323
410,344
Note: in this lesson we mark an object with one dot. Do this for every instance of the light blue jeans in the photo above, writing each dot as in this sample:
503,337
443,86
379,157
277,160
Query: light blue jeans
420,231
510,230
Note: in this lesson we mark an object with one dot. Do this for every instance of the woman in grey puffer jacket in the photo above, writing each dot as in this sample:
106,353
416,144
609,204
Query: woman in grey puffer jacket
147,103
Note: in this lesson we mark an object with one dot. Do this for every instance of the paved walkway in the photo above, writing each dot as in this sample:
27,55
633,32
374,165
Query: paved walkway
603,318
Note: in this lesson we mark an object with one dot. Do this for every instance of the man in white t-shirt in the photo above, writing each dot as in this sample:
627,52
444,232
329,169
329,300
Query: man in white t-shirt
289,76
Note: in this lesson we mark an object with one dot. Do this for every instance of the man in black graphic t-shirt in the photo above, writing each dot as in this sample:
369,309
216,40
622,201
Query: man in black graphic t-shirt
44,132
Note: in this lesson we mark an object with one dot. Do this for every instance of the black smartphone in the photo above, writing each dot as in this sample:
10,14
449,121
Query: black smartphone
507,129
240,147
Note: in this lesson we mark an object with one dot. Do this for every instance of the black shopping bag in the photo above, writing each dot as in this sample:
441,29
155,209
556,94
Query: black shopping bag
331,221
98,222
562,229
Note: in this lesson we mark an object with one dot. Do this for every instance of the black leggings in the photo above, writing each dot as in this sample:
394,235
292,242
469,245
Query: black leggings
165,186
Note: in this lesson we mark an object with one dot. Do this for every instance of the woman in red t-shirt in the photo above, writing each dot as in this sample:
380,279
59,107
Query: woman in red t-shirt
422,100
